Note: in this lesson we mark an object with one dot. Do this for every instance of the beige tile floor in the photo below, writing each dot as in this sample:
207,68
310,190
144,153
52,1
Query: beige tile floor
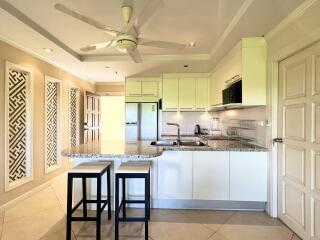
42,216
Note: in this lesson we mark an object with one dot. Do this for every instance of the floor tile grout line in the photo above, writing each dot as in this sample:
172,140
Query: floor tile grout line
222,224
55,194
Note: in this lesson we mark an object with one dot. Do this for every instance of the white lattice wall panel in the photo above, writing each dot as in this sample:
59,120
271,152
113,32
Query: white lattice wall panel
18,125
73,117
52,127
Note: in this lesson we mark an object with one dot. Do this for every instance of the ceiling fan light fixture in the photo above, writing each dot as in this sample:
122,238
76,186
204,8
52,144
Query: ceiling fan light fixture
126,43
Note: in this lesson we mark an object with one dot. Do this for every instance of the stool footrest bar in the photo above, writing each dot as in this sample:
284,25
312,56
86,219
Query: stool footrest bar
135,201
77,219
131,219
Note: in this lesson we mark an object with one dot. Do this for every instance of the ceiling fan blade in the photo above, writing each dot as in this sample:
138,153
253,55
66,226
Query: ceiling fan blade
75,14
161,44
147,12
96,46
135,55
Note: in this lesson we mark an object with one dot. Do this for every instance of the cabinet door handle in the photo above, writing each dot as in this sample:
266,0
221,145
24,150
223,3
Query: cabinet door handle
132,94
148,94
187,108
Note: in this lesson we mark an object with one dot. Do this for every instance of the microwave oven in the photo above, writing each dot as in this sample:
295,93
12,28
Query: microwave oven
232,94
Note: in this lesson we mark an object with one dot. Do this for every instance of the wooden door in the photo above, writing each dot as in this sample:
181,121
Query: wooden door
299,154
91,117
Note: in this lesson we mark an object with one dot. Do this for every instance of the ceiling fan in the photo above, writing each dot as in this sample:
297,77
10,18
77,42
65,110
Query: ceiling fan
127,39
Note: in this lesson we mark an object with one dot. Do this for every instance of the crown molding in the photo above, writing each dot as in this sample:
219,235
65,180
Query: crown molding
293,16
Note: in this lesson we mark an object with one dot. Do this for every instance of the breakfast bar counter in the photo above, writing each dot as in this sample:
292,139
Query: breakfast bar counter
114,149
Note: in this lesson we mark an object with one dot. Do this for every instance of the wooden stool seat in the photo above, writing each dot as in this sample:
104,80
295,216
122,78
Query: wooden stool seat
134,167
90,167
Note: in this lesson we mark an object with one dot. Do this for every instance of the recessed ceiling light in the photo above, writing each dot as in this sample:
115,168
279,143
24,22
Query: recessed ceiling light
192,44
47,49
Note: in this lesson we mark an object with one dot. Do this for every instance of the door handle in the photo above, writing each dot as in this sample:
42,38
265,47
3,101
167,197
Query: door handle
277,140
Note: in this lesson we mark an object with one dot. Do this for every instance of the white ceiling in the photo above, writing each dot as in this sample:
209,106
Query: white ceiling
214,25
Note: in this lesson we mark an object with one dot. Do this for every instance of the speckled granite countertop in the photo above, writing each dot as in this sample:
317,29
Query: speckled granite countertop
220,145
143,149
114,149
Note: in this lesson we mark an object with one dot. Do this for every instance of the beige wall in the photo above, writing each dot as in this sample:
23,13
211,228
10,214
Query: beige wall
40,69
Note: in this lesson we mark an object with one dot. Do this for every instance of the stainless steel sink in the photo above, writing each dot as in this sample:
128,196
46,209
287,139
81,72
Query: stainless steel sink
192,143
163,143
186,143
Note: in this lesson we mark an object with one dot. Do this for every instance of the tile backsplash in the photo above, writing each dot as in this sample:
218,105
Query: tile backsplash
255,113
186,120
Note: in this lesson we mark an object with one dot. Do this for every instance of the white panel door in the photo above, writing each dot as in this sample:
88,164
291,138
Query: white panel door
211,175
298,155
175,175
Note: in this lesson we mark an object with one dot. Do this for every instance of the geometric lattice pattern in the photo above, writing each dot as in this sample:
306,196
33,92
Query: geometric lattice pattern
73,116
17,125
52,121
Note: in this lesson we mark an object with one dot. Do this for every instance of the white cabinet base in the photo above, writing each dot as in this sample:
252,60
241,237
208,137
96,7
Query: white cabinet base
211,175
208,204
248,176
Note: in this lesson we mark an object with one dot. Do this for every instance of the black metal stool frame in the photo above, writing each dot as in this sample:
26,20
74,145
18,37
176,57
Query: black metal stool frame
84,200
123,202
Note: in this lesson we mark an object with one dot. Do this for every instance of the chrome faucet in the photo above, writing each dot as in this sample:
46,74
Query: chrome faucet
178,126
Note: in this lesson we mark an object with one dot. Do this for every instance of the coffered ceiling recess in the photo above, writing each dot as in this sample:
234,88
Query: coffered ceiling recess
213,25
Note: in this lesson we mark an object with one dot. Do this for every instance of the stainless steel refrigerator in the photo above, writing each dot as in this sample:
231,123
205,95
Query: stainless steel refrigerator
141,121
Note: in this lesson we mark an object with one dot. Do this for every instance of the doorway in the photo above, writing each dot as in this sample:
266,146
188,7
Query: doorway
112,118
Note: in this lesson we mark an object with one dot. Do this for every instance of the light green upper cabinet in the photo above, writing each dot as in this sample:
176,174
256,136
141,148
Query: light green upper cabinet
143,89
248,60
201,94
150,89
133,88
187,94
170,91
254,73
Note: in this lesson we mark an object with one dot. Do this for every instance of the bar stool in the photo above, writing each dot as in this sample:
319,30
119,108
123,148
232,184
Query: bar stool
88,170
132,170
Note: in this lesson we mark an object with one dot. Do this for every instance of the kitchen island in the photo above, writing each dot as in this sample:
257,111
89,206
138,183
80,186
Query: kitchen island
222,175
